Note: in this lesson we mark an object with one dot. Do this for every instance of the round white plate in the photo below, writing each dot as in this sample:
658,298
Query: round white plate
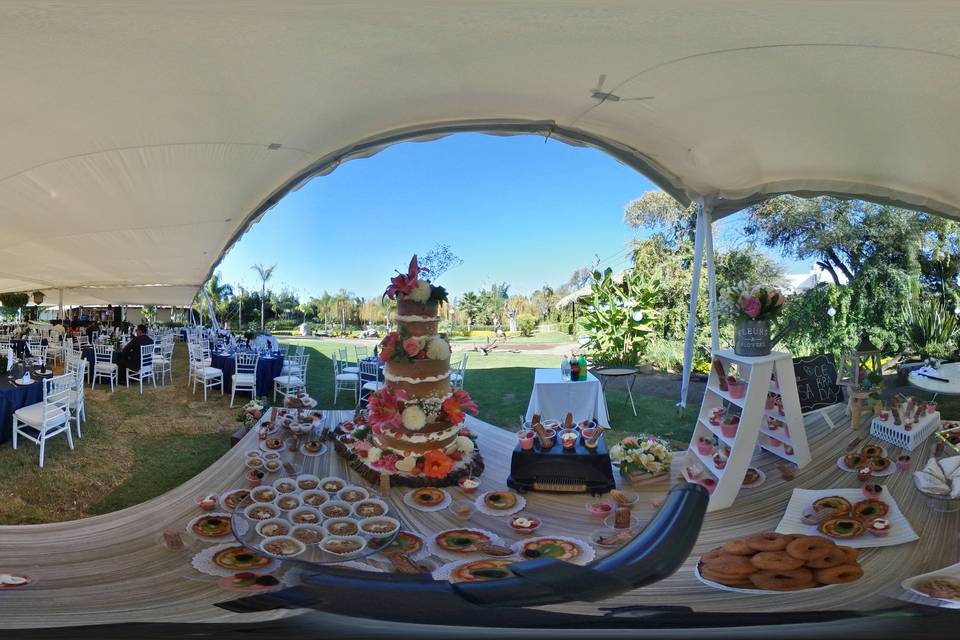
443,504
483,508
889,471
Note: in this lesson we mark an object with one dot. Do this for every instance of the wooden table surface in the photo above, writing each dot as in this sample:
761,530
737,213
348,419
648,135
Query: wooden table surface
111,568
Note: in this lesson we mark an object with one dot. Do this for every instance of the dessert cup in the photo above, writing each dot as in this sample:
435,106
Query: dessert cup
903,463
469,484
462,509
709,484
599,509
704,446
524,524
729,430
568,438
526,440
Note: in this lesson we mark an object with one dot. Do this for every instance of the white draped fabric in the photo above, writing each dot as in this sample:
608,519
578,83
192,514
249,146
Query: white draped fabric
553,398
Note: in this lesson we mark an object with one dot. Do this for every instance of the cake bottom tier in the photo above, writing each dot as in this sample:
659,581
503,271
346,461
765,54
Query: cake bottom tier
471,465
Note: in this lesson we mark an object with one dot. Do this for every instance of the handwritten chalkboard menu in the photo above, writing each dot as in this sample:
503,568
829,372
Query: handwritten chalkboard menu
817,382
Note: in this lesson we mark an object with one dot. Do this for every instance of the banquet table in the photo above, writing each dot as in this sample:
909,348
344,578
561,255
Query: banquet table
13,397
268,368
552,397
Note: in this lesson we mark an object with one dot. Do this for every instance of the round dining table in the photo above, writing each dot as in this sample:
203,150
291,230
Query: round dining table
269,367
14,396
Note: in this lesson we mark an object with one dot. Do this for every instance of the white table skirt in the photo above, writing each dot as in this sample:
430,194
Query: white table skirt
553,398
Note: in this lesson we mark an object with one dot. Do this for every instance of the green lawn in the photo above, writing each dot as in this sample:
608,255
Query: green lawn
501,384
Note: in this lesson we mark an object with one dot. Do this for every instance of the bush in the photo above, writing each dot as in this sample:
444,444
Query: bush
665,355
620,318
526,323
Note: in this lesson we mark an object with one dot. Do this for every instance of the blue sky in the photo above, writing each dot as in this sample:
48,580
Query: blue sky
516,209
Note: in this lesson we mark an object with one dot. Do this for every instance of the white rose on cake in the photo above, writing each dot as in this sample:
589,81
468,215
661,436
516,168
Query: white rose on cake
374,454
438,349
420,293
414,418
464,444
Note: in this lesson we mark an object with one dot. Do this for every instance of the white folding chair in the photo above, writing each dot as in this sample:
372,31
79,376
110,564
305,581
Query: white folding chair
43,420
291,384
344,381
206,375
362,353
345,365
163,359
76,366
245,375
458,373
146,368
369,378
291,351
104,366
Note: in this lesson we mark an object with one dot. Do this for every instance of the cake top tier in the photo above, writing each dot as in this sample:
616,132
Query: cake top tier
412,287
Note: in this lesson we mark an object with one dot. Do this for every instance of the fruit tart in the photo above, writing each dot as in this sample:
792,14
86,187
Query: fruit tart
873,451
239,558
842,527
233,499
405,542
551,548
460,540
500,500
838,505
870,509
854,460
211,526
428,496
480,570
879,464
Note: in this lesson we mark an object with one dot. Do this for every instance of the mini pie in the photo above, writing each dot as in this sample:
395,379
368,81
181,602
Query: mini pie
500,500
271,529
307,535
336,511
405,542
482,570
305,517
342,528
235,498
239,559
352,495
307,483
314,498
261,512
282,546
369,509
873,451
379,526
870,509
273,443
264,495
879,464
342,546
854,460
286,487
842,527
837,504
460,540
211,526
551,548
428,496
312,446
288,502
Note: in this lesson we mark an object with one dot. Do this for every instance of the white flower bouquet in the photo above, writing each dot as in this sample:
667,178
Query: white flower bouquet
642,454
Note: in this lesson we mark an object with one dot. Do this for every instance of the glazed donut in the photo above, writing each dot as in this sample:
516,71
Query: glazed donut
778,561
835,558
838,575
737,547
739,566
713,554
809,548
724,579
783,580
852,553
768,541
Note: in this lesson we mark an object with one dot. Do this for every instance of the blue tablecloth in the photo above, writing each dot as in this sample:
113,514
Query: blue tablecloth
91,357
268,368
19,346
13,397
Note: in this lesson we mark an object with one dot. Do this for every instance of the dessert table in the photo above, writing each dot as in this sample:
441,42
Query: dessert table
268,368
552,398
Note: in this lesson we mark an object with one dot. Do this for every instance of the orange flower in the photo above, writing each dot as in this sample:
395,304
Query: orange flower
437,464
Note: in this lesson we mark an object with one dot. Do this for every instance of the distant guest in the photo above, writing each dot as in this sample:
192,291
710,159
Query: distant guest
130,356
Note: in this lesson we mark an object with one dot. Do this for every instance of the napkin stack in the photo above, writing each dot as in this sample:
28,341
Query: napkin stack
940,477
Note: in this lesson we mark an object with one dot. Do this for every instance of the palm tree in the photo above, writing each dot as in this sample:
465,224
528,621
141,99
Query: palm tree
219,293
265,274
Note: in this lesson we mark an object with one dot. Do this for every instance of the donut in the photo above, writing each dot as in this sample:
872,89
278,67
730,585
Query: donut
837,575
768,541
713,554
835,558
783,580
778,561
724,579
737,547
730,565
809,548
852,553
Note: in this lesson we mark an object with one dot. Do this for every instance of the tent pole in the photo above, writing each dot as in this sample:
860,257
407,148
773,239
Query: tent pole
60,291
711,274
694,293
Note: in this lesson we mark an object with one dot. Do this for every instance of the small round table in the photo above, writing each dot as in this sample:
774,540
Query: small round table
618,372
925,378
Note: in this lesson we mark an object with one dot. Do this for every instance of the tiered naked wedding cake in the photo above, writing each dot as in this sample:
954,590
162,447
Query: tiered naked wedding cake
414,426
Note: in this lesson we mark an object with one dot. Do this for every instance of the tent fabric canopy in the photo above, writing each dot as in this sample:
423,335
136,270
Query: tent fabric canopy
140,140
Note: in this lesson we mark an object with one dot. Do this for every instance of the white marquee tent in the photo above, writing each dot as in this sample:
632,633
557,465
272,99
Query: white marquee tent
139,140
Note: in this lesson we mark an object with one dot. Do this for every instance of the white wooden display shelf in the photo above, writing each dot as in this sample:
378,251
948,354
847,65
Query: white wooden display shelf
895,434
752,430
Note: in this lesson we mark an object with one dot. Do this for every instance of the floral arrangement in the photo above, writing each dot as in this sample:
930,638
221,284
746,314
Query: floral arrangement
757,302
397,347
643,453
409,285
388,408
251,412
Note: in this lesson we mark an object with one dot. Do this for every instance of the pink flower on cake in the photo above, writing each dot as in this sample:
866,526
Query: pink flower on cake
383,408
404,283
751,306
411,346
388,462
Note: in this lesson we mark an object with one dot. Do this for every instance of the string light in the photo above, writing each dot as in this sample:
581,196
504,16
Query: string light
831,312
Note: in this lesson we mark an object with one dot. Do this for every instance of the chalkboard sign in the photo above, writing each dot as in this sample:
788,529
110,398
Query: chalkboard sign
817,382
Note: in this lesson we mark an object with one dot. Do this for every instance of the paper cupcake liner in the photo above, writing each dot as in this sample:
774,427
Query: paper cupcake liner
434,549
483,508
587,552
443,504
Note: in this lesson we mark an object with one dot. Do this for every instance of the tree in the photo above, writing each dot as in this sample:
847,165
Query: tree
472,306
219,293
579,279
513,307
620,317
657,209
265,274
